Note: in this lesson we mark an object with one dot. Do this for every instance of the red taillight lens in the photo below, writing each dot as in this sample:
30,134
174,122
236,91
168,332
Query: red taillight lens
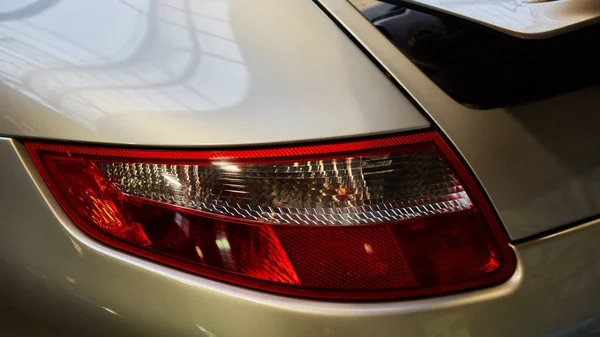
386,218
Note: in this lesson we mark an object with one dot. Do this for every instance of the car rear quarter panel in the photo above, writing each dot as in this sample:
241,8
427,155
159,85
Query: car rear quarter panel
288,75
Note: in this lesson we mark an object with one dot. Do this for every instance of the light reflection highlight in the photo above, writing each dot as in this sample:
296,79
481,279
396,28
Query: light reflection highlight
111,311
174,56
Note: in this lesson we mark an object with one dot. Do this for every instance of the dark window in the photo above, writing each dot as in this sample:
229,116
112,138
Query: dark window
484,68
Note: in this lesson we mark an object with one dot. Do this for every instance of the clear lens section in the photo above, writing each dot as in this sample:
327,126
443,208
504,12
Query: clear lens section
340,191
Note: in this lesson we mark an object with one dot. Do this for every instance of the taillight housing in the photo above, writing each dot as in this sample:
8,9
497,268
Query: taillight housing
393,217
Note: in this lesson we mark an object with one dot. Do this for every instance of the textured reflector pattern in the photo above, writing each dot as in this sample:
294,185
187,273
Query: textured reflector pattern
394,217
340,191
364,257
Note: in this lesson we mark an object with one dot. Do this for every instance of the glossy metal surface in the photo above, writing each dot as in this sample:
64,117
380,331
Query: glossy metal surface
185,73
55,281
59,282
522,18
537,162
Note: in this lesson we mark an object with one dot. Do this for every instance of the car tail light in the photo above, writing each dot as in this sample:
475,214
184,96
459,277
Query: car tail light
394,217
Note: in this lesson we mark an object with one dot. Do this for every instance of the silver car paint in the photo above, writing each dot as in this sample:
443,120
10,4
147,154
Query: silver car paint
189,73
537,162
56,281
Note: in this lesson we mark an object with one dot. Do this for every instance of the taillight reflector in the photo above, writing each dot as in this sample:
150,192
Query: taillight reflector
395,217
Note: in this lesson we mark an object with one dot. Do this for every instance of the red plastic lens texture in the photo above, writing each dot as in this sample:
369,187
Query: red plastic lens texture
395,217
